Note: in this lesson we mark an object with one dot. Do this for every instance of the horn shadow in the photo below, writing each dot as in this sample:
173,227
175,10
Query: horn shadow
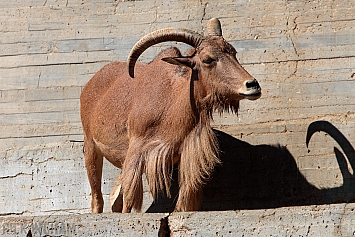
266,176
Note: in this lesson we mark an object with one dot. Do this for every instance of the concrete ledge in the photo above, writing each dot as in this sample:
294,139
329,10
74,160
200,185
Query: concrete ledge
107,224
322,220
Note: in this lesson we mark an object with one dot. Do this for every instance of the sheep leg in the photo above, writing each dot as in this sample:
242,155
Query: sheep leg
189,199
132,192
116,196
132,183
93,163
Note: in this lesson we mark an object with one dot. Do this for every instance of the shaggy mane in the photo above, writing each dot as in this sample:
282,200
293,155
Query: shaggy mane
199,155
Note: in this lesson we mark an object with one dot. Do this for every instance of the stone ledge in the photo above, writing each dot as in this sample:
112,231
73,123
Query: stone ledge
315,220
107,224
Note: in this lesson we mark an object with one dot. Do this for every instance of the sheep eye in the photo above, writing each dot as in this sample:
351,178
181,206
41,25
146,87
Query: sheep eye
208,60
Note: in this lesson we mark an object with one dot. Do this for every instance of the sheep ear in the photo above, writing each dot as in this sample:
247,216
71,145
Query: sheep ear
182,61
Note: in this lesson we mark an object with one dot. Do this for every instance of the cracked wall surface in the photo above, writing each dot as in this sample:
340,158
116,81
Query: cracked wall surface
302,54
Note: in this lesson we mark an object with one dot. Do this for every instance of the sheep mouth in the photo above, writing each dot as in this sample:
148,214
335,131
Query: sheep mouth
252,95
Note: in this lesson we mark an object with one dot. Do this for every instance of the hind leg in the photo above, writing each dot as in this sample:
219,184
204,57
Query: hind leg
93,163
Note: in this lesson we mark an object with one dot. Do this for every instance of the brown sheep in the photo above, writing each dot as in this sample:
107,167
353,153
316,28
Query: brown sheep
161,116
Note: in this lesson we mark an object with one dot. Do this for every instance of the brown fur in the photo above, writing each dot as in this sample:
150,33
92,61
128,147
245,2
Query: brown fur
159,118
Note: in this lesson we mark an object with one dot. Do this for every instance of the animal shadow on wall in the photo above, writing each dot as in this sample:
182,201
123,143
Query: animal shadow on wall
266,176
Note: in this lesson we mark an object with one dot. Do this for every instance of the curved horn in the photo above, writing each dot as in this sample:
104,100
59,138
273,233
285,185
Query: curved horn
168,34
214,27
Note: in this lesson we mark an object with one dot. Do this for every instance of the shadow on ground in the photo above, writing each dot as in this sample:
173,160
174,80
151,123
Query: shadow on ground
266,176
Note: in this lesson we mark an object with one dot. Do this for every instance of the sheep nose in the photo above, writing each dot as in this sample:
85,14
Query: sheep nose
252,85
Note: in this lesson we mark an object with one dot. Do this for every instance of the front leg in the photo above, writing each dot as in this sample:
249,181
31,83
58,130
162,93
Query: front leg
189,199
132,183
132,186
116,196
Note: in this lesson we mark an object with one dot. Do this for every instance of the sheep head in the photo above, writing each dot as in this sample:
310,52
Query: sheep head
213,61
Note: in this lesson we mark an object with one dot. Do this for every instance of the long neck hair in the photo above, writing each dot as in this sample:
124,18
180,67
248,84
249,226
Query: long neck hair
197,152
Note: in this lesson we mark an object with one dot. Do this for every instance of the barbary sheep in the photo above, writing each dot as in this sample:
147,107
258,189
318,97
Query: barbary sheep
158,114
